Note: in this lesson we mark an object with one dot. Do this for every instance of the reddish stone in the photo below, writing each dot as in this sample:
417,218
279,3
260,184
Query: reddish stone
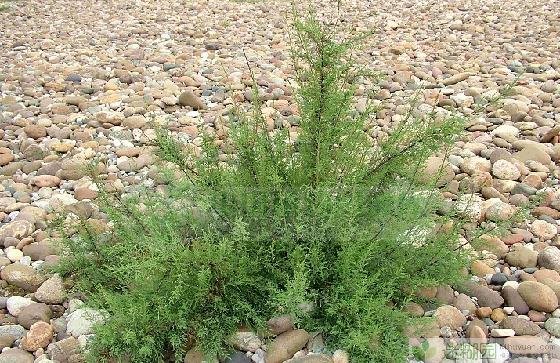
512,238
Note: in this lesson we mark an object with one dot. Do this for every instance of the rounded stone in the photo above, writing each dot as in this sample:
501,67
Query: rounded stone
549,258
544,230
16,304
33,313
22,276
552,325
13,254
521,256
502,333
246,341
506,132
17,331
286,345
81,321
449,316
464,303
476,165
503,169
340,356
515,300
45,181
280,324
438,170
486,297
188,98
35,131
39,336
51,291
520,326
6,341
538,296
533,152
17,229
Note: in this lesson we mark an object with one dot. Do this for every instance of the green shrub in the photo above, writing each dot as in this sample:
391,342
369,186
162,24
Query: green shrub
6,5
335,228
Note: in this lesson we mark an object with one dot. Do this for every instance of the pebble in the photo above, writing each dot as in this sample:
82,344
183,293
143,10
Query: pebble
280,324
498,315
16,356
81,321
22,276
515,300
520,326
313,358
188,98
544,230
538,296
534,153
506,132
38,336
449,316
340,356
498,279
64,350
456,78
246,341
502,333
550,258
525,345
35,131
16,304
464,303
16,331
52,291
552,326
33,313
16,229
45,181
503,169
521,256
485,296
285,345
13,254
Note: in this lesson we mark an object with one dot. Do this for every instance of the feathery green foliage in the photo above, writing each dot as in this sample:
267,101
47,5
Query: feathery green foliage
335,228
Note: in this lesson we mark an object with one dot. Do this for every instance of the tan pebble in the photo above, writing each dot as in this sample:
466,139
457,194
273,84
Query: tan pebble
45,181
498,315
483,312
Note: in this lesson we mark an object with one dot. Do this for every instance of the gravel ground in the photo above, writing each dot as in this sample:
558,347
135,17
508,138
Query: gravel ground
82,80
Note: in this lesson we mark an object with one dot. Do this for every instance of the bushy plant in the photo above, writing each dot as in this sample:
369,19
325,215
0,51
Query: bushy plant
335,228
4,6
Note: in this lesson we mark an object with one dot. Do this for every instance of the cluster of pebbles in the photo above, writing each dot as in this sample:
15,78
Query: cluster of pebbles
83,82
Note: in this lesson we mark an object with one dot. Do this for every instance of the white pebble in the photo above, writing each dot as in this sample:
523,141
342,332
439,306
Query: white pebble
25,260
13,253
513,284
509,309
502,333
15,304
